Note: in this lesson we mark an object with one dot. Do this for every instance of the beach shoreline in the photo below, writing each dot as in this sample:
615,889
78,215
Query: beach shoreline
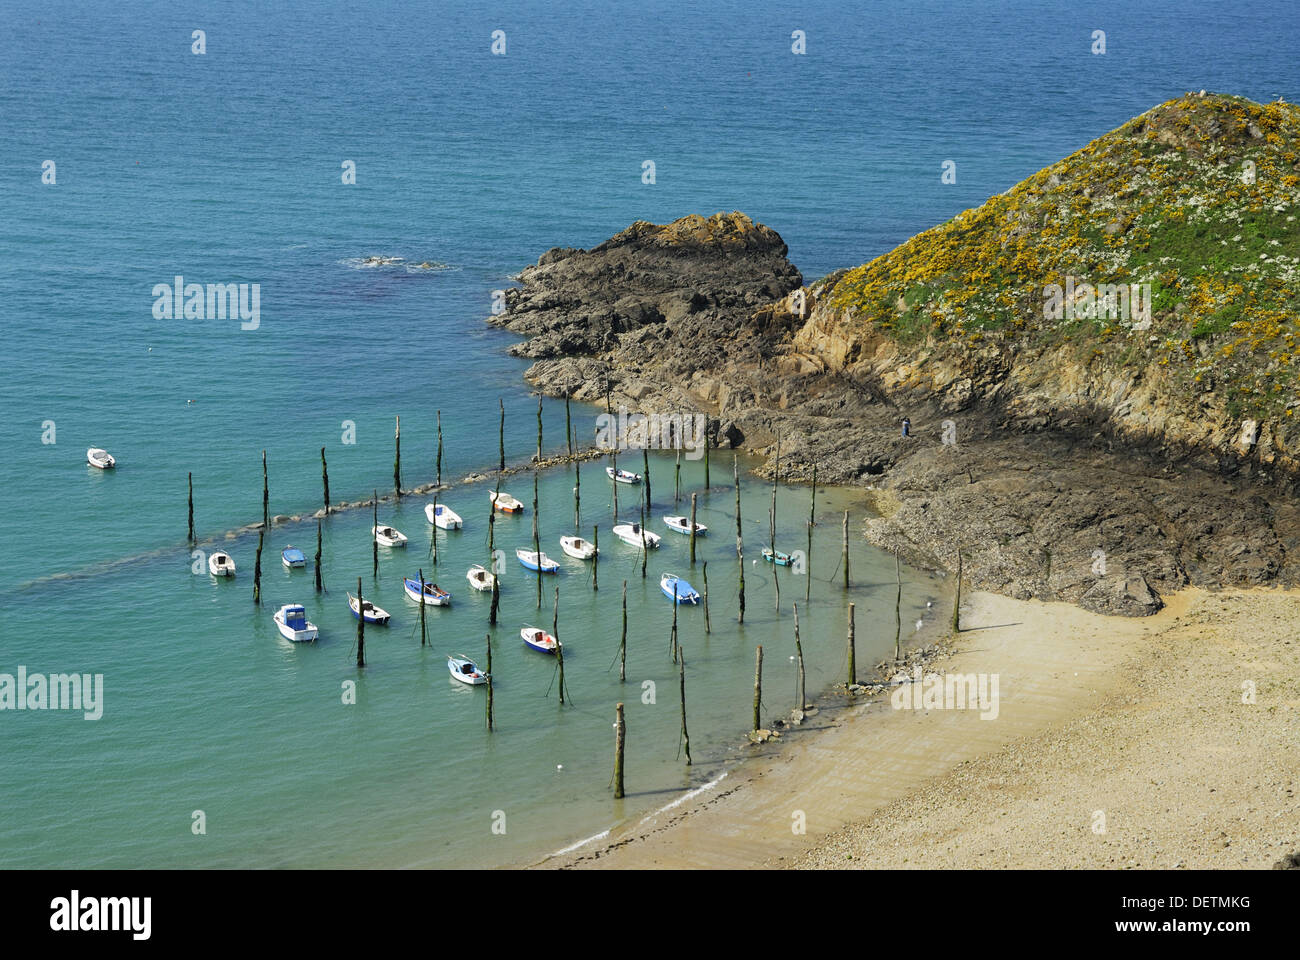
873,775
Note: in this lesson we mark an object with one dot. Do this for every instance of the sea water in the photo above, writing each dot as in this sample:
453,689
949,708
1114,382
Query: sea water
130,159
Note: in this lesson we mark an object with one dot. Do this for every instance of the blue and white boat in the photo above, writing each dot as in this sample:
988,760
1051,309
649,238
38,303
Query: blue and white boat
293,557
372,613
442,516
537,561
539,639
683,525
433,594
780,558
291,619
465,670
677,589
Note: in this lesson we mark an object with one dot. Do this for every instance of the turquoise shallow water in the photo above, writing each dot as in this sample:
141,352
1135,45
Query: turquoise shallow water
226,168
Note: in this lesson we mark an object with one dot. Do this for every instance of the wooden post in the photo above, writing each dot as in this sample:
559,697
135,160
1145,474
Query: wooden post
898,606
266,497
537,543
577,497
568,422
956,603
374,534
686,737
325,478
257,569
620,739
677,480
758,684
645,470
844,557
559,649
622,643
693,529
613,460
798,649
424,633
492,559
361,627
645,547
319,585
539,428
707,626
490,718
438,482
502,436
672,636
853,650
740,542
397,460
191,482
595,557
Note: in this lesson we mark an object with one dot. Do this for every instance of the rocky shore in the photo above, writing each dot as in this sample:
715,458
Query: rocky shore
1046,498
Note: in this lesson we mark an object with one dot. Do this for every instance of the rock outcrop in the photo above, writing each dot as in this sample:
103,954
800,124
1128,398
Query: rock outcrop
1098,460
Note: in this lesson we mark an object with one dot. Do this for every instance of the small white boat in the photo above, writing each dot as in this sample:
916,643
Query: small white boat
371,613
578,548
292,557
539,639
100,458
291,619
479,578
634,534
389,536
622,476
220,564
465,670
683,525
534,561
434,595
505,503
442,516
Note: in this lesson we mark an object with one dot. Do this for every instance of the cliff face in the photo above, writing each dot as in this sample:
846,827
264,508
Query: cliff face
1129,433
1184,218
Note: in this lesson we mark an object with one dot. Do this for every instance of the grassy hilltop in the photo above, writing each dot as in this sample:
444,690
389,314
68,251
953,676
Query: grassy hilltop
1197,197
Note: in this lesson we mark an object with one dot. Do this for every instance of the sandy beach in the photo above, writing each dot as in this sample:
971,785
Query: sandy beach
1117,743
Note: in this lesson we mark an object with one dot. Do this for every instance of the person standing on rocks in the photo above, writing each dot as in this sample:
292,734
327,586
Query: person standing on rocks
907,427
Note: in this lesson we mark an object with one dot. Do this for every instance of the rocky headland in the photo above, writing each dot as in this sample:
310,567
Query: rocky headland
1086,450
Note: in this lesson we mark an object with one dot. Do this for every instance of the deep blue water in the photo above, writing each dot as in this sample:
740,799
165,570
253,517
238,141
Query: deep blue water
225,167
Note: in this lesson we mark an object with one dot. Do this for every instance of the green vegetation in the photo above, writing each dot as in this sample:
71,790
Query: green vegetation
1197,198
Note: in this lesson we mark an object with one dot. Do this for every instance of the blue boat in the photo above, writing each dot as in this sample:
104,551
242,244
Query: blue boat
780,558
293,557
675,588
539,562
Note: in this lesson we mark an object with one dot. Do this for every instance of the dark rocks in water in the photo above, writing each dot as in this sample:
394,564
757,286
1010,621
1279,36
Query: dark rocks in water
1127,597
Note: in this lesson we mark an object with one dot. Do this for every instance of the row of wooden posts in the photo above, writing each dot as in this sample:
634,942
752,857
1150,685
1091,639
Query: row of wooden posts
676,651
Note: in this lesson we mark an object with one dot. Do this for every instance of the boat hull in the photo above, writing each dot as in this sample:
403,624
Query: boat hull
571,548
456,668
373,614
679,591
480,579
546,643
431,599
545,565
443,518
305,635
